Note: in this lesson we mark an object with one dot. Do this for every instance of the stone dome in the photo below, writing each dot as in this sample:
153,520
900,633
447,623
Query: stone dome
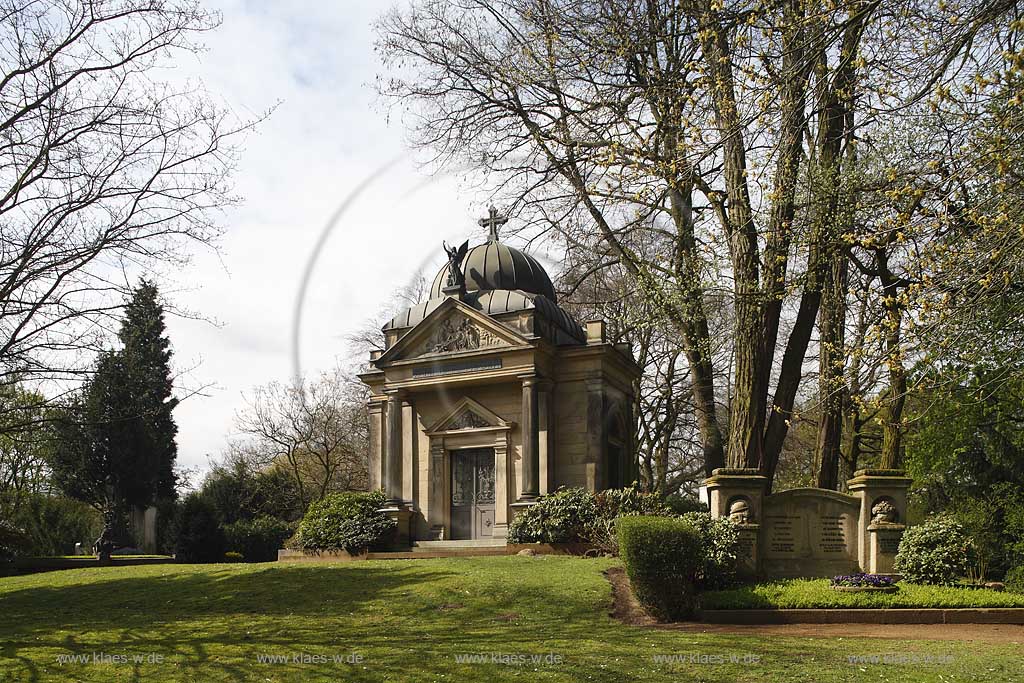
496,266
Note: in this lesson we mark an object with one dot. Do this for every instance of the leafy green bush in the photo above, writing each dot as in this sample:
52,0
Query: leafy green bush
232,556
199,536
53,524
1015,580
615,503
663,557
720,550
681,505
13,541
258,540
936,552
565,516
346,521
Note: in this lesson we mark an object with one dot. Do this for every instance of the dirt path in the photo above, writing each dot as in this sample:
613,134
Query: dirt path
627,610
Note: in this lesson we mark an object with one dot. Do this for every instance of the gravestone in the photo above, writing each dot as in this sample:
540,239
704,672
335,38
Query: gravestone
813,532
809,532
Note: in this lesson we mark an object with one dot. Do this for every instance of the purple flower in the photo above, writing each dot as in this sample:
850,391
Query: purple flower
862,580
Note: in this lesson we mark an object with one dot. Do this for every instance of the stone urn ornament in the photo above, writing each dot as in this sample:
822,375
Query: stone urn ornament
884,512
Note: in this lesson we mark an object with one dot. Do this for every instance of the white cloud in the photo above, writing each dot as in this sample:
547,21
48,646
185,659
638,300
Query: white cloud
327,134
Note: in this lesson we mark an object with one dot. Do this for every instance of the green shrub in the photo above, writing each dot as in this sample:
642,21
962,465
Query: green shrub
232,556
680,505
258,540
936,552
1015,580
345,521
720,550
615,503
53,524
565,516
199,536
13,541
663,558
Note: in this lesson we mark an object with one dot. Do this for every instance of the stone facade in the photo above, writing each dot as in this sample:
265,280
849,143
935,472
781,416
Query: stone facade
486,399
814,532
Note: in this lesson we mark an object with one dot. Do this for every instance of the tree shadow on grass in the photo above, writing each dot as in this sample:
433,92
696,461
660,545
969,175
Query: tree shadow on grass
404,617
408,620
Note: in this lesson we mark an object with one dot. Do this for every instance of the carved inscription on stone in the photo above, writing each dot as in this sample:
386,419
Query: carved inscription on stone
782,533
889,544
457,334
832,534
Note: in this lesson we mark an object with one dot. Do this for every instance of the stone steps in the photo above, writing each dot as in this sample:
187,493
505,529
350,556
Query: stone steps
422,550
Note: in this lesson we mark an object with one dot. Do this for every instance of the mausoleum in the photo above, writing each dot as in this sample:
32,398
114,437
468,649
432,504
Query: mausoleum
489,394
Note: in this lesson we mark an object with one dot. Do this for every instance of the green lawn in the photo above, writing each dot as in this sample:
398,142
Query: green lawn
808,593
411,621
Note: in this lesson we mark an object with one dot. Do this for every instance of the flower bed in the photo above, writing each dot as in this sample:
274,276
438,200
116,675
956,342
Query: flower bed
864,583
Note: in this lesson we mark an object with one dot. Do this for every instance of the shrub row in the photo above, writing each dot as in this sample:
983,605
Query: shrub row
578,516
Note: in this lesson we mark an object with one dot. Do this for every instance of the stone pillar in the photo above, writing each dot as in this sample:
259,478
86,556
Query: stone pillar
376,455
597,434
501,479
408,452
883,514
545,457
738,493
438,505
531,441
393,450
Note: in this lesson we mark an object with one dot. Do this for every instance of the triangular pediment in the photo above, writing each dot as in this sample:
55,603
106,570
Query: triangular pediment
452,327
469,414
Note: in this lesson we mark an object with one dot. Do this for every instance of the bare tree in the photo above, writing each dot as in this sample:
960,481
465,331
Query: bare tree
317,432
706,147
103,168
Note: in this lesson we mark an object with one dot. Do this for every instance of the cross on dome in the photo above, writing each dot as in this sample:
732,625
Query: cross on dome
492,223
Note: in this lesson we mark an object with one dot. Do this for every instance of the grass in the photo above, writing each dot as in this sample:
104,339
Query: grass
411,621
816,593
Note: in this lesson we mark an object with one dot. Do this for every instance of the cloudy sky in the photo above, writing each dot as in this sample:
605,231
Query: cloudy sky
329,132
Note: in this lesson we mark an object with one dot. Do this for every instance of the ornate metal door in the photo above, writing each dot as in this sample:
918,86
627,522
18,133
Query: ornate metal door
472,493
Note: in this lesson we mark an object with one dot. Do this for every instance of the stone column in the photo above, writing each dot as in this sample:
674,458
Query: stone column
393,450
531,441
376,457
545,432
409,459
883,513
501,497
738,493
438,505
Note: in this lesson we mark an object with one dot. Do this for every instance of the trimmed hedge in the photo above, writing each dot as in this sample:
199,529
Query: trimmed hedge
349,521
663,557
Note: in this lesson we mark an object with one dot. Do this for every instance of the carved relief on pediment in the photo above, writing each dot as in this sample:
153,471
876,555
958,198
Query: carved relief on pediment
457,333
467,419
